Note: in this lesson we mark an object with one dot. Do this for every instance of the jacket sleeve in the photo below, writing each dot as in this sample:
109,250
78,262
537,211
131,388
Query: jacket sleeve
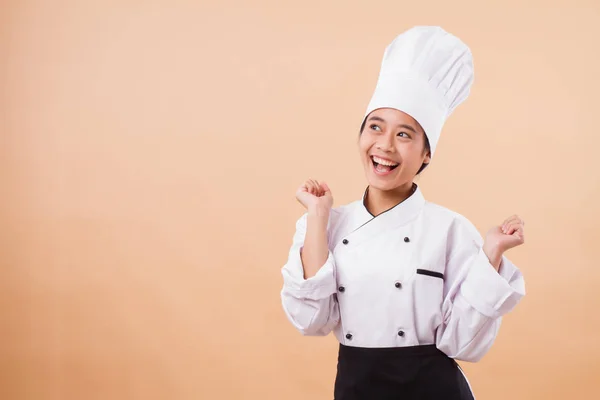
476,296
309,304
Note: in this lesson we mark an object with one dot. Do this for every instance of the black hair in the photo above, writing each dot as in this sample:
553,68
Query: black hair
427,146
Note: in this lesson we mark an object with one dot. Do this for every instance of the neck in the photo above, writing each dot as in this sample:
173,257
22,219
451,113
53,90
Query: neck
378,201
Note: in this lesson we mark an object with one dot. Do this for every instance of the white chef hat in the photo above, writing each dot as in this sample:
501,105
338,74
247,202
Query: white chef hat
426,72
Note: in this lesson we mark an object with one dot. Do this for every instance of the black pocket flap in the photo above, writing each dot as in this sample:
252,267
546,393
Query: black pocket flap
430,273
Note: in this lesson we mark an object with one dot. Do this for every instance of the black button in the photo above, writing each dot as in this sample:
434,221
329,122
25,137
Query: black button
345,241
348,336
400,333
398,285
341,289
406,239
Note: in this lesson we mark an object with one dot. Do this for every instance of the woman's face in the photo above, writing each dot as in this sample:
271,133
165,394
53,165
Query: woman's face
392,149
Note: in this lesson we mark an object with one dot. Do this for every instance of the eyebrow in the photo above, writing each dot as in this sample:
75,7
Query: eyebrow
376,118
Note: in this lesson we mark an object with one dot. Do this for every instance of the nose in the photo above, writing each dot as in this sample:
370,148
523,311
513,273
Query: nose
385,143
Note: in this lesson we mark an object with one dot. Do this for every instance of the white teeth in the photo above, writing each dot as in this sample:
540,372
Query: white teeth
384,162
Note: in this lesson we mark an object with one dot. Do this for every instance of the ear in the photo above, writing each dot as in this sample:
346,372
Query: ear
427,158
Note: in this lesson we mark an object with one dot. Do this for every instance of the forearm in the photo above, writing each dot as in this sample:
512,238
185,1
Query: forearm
467,334
316,247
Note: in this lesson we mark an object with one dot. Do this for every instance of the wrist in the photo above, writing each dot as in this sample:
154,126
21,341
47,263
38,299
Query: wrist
319,212
494,255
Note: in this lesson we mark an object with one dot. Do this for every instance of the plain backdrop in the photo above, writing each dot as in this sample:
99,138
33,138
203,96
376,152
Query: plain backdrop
149,155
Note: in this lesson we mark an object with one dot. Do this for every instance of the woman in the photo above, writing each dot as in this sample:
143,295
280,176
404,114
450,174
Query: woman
406,286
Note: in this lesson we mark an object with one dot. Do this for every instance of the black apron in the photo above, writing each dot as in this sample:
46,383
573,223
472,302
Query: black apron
398,373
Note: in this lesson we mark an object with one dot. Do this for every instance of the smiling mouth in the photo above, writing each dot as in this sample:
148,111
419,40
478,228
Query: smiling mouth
383,166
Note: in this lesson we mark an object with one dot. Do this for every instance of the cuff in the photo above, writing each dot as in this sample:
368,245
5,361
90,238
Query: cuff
492,293
317,287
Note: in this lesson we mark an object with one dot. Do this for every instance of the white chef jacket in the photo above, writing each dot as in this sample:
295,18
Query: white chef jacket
413,275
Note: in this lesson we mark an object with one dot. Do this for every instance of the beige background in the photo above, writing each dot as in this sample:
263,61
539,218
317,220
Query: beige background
149,156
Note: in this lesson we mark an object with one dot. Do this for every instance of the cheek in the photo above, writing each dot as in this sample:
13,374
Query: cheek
364,145
411,157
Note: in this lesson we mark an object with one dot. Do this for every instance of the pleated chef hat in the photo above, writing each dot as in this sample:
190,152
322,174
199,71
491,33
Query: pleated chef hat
426,72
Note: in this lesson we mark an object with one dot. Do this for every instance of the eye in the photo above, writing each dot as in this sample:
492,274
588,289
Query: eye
375,127
403,133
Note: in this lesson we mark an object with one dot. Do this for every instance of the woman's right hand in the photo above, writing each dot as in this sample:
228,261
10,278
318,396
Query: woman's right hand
315,196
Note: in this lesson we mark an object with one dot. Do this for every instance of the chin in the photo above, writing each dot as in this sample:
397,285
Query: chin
384,187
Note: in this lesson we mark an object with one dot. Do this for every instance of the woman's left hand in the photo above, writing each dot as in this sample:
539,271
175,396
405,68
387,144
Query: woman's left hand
504,237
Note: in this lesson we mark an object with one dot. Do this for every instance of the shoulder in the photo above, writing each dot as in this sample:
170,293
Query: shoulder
336,215
340,213
459,227
346,208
